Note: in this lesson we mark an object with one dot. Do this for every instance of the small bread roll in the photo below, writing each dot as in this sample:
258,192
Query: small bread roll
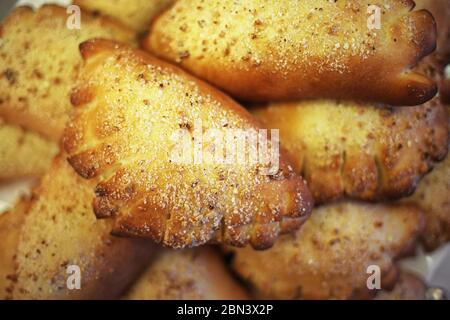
40,61
288,50
329,258
190,274
58,229
358,150
133,112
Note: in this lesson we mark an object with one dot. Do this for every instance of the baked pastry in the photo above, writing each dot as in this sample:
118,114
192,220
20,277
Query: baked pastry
289,50
433,197
441,12
191,274
408,287
363,151
441,57
23,153
133,114
10,224
40,61
329,257
135,14
58,229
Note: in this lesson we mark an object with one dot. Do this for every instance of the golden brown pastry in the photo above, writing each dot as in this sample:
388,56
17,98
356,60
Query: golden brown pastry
408,287
441,12
129,106
329,257
433,196
10,225
60,230
433,192
135,14
441,57
23,153
288,50
190,274
363,151
39,61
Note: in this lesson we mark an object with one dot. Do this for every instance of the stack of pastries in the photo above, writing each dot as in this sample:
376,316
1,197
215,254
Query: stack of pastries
89,113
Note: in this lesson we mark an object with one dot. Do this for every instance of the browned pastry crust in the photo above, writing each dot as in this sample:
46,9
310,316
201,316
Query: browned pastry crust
190,274
129,105
135,14
329,256
289,50
408,287
10,225
362,151
433,192
23,153
441,12
39,61
58,229
433,197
